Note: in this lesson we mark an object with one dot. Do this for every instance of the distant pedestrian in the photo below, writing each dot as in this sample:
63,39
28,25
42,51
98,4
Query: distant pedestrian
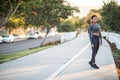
95,39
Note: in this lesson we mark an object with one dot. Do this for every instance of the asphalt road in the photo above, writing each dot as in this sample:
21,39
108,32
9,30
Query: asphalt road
24,44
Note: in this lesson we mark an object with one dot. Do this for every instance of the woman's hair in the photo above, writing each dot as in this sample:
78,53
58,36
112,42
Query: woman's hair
93,16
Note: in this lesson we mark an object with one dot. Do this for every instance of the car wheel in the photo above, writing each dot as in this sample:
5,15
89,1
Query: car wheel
9,40
13,41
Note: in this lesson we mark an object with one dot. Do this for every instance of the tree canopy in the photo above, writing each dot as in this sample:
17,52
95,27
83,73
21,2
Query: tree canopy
48,12
111,15
8,9
66,26
35,12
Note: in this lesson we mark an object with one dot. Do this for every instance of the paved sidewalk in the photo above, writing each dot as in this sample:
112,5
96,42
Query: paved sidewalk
81,70
41,65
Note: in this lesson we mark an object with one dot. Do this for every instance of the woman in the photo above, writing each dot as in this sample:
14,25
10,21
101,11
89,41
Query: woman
95,38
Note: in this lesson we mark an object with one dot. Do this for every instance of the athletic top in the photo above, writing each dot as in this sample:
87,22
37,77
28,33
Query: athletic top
94,28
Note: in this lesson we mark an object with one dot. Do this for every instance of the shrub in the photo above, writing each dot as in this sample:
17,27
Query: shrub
66,26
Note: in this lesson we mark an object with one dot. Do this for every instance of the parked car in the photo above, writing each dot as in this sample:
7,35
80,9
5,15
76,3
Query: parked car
8,38
32,36
39,34
1,39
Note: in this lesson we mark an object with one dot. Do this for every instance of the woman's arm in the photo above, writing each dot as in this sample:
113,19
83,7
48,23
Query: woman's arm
90,34
100,36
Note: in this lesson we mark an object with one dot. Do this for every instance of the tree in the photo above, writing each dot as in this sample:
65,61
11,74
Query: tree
35,12
76,21
111,15
47,13
14,23
53,10
32,13
8,9
66,26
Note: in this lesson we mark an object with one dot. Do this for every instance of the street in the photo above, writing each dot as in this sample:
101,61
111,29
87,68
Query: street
24,44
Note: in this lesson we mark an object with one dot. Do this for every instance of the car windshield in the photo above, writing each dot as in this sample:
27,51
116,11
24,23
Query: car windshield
37,32
32,34
5,36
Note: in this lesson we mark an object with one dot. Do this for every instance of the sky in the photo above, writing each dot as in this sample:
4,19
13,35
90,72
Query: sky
86,5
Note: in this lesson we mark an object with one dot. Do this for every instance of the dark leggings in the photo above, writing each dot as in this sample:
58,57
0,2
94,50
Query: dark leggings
95,42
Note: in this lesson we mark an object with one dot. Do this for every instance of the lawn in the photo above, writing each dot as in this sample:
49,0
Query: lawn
16,55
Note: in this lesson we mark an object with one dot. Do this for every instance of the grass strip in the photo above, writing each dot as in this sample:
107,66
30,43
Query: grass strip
19,54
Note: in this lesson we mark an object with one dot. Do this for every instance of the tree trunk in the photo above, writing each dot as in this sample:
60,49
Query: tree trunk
10,13
44,38
16,8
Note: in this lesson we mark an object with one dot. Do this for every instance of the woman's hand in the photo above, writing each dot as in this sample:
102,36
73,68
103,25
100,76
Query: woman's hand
92,45
101,43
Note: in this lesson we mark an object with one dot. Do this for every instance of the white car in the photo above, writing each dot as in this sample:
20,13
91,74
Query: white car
33,36
8,38
1,39
39,34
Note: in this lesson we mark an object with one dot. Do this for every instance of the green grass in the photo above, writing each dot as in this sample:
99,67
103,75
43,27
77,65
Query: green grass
116,53
15,55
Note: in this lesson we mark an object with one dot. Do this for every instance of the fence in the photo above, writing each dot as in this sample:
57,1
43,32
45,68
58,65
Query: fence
113,38
66,36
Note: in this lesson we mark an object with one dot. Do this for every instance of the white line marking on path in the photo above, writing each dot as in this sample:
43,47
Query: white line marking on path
55,74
